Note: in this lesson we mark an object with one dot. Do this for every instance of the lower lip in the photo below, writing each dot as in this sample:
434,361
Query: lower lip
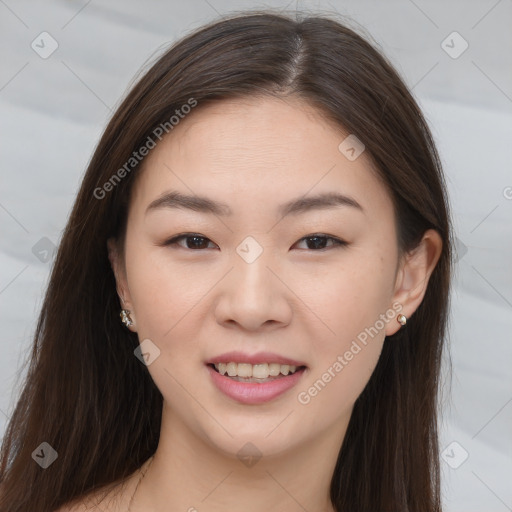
253,392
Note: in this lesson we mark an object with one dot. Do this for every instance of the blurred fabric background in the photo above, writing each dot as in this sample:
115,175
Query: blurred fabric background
65,67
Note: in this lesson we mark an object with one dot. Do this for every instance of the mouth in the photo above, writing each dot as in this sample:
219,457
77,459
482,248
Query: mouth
253,384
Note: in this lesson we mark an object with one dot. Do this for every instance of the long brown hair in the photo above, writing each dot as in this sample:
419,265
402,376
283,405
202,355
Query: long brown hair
91,400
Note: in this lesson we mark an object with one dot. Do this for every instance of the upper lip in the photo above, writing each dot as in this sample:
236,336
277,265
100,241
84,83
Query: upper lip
257,358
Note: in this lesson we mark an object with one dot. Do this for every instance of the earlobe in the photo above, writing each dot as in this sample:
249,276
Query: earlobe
414,274
116,262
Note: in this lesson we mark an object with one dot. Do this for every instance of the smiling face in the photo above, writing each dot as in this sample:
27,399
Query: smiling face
271,268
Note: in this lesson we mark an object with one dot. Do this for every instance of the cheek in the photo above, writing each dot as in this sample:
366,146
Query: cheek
168,300
162,290
352,298
355,306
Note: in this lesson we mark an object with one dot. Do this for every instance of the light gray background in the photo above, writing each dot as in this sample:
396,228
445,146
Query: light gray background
53,111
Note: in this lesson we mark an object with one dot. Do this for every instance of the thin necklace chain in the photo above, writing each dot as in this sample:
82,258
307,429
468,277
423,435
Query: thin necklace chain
138,483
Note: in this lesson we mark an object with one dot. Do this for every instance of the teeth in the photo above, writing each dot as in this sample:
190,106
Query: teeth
232,369
274,369
258,371
244,370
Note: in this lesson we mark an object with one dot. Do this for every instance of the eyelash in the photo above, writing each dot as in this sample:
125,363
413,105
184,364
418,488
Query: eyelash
337,242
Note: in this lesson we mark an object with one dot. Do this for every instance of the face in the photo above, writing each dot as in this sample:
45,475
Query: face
316,284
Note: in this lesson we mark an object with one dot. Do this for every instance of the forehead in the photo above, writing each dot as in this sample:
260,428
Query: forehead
270,128
245,151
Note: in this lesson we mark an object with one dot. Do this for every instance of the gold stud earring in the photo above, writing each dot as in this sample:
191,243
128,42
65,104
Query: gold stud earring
402,319
125,317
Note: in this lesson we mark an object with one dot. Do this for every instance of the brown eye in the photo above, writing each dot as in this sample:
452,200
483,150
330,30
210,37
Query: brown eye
195,242
318,242
192,241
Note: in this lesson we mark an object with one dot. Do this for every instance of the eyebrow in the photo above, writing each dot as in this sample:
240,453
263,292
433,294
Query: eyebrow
174,199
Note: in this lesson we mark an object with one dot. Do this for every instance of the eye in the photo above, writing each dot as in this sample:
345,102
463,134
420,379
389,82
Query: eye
194,241
317,241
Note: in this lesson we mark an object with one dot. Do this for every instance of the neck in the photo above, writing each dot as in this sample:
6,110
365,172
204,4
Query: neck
187,473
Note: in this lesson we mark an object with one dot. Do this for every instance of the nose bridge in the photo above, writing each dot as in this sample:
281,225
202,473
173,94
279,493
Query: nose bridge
251,262
252,295
251,250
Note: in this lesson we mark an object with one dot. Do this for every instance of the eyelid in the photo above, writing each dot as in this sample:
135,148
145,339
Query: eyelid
175,239
338,242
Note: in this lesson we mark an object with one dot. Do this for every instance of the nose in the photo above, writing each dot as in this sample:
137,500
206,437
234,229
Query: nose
253,296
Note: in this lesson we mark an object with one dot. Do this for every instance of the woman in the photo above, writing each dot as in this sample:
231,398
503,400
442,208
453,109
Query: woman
249,301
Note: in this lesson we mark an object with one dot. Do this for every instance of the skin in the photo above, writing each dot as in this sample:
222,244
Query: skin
295,300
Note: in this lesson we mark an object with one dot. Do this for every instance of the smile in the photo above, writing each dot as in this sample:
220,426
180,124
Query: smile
254,384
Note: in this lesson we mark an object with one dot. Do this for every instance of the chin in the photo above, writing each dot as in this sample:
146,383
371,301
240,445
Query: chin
254,436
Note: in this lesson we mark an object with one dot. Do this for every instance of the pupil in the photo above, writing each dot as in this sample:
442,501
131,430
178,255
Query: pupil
317,238
195,246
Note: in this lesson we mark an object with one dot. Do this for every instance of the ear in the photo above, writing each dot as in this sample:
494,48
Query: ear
118,267
414,274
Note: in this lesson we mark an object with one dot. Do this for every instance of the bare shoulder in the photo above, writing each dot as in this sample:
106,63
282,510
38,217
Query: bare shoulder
76,506
111,499
114,497
84,505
